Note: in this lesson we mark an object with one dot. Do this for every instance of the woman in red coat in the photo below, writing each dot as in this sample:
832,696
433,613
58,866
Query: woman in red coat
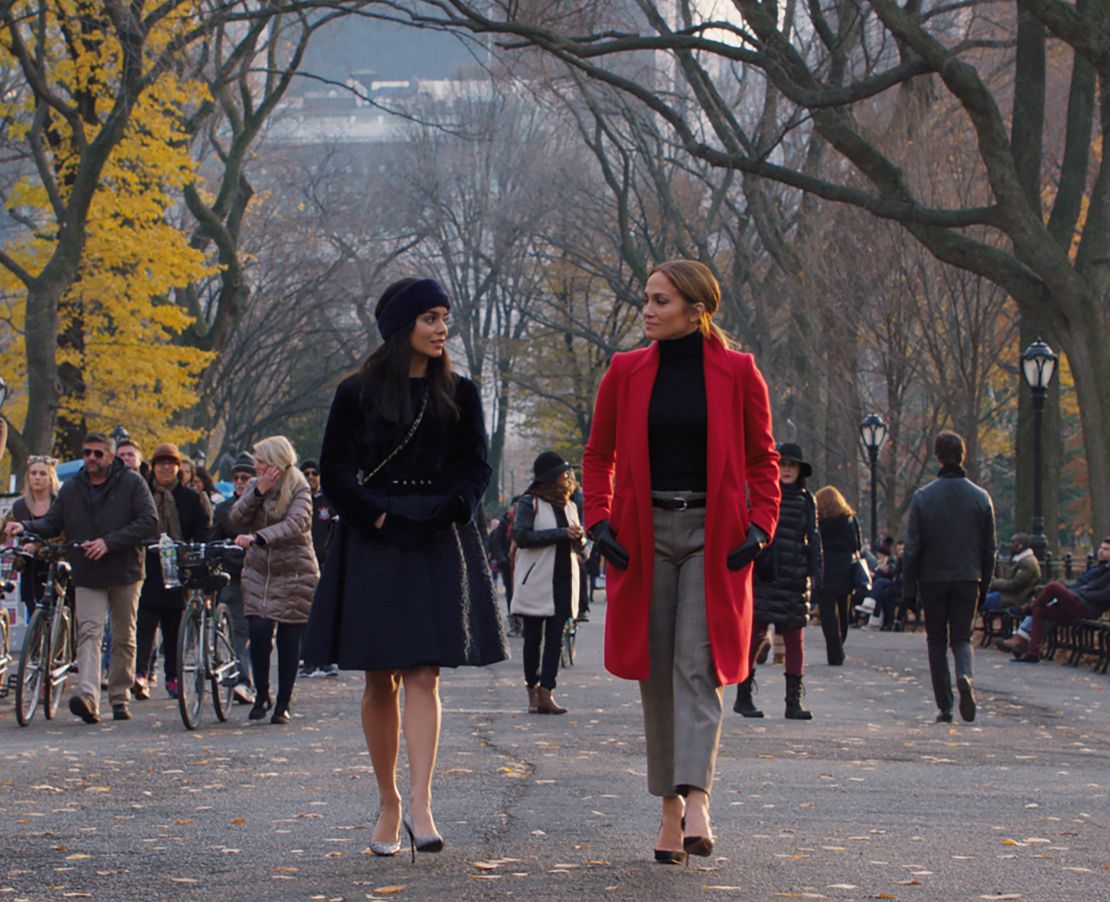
682,492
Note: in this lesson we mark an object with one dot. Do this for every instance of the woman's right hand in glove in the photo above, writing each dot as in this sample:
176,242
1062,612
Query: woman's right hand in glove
607,543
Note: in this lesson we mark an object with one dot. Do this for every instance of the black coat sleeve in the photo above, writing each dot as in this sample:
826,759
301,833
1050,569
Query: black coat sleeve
471,471
524,533
340,461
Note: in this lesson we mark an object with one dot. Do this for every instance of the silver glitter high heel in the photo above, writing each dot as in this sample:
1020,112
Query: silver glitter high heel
386,848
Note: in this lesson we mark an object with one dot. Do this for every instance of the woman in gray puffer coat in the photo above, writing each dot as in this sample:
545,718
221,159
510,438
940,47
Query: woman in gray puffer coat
280,570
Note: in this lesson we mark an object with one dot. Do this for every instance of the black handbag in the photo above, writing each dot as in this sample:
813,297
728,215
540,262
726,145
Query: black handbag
861,575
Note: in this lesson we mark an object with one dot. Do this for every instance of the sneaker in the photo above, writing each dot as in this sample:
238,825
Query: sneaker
171,688
121,712
331,671
83,707
243,693
967,698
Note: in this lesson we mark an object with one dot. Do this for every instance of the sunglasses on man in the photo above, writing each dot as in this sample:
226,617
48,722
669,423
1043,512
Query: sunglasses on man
311,472
93,452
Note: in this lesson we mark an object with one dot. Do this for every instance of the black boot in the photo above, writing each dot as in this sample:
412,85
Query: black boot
744,704
794,692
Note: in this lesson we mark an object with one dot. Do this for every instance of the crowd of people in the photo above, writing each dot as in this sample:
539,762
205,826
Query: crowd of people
375,558
117,506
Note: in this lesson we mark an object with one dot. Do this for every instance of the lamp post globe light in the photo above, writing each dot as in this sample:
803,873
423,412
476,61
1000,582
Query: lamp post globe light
3,392
119,434
1038,365
200,458
872,434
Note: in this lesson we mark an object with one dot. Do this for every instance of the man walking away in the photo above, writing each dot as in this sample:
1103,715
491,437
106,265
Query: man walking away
949,559
109,510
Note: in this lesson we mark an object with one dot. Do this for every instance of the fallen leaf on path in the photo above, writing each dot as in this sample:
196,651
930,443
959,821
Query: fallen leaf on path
390,890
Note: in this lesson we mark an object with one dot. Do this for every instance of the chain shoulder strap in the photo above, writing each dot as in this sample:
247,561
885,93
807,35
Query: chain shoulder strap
404,441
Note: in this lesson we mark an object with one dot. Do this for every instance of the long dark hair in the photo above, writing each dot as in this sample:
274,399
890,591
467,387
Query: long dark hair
385,374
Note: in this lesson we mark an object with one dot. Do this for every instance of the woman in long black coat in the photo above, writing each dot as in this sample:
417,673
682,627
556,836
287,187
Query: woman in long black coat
406,588
841,546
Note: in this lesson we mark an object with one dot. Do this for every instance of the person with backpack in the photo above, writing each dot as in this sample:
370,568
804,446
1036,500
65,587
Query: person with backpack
549,537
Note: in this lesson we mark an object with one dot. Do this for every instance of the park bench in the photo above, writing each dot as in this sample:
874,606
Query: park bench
1084,639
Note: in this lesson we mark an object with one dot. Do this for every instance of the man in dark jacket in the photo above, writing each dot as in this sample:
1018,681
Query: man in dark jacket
242,472
1088,598
324,516
1020,584
109,510
949,559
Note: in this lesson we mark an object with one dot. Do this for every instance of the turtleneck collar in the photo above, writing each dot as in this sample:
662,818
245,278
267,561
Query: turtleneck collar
689,347
951,471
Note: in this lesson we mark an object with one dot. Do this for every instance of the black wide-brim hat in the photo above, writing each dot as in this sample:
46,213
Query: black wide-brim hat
548,467
793,452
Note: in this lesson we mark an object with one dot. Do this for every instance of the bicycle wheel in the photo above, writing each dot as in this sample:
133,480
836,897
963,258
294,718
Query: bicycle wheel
570,632
61,657
32,664
190,668
225,665
5,651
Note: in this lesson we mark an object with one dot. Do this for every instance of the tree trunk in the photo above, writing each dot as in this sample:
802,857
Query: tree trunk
42,365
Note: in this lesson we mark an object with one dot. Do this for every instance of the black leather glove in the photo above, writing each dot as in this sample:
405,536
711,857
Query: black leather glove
608,546
753,544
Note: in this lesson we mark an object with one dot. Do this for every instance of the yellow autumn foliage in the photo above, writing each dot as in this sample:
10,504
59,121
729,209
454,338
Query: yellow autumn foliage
120,307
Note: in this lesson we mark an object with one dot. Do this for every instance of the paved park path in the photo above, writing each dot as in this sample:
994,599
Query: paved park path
871,800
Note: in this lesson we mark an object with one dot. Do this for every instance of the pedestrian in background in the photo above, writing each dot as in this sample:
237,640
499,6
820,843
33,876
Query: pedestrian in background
406,588
108,509
181,516
548,534
949,560
242,472
279,570
841,548
784,575
323,522
40,488
682,493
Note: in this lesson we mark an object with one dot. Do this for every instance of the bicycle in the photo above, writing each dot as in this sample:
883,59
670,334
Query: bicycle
570,638
49,650
206,641
6,586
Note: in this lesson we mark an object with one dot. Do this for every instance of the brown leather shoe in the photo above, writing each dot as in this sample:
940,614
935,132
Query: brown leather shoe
533,700
545,702
140,688
1014,644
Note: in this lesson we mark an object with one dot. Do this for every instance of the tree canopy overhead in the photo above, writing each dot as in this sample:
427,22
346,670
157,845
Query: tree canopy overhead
736,82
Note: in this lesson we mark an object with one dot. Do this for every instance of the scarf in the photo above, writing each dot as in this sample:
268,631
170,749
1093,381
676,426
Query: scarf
168,520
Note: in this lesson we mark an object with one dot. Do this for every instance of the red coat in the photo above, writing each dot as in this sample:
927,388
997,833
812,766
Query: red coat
743,487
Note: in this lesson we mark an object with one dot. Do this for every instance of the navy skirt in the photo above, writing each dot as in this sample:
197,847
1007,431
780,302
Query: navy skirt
382,607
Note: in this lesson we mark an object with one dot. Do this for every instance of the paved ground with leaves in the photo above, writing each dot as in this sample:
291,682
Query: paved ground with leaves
871,800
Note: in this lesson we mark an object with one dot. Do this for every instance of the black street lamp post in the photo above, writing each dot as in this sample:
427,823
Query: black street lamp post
119,434
3,392
1038,364
200,459
872,433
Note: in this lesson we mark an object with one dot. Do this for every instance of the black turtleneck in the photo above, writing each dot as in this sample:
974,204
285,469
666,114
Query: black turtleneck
677,418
